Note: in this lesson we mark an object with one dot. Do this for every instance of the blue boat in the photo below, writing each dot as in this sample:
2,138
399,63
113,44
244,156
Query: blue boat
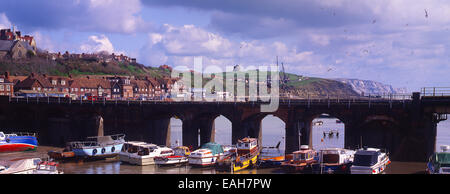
18,142
98,147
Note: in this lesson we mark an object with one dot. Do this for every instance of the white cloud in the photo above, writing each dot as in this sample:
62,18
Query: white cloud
97,44
4,21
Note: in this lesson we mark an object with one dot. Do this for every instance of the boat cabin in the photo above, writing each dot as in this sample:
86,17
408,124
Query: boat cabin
247,145
303,155
368,157
144,149
336,155
2,136
181,151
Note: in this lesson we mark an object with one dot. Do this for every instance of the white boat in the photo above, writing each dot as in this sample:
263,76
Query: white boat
179,157
47,168
369,161
24,166
141,153
98,147
207,155
335,160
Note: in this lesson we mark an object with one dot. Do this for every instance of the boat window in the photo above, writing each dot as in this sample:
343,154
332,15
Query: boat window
133,149
443,157
365,160
144,152
330,158
246,145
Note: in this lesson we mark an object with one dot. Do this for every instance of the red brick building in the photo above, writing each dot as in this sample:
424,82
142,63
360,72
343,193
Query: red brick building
6,86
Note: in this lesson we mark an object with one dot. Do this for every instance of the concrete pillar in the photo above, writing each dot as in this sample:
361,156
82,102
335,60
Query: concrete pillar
56,133
352,138
160,131
306,131
252,128
207,130
190,133
292,139
238,131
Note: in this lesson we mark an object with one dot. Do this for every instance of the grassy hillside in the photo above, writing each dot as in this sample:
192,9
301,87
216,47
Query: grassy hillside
297,85
61,67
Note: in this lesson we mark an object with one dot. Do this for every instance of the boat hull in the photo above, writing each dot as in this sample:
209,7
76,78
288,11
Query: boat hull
304,167
136,160
19,143
202,162
375,169
237,166
109,151
171,161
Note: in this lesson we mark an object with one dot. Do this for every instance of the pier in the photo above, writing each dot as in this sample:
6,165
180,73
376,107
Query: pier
405,127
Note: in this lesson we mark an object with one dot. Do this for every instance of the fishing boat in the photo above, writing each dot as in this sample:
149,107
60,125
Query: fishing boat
335,160
369,161
63,155
21,166
142,153
302,160
18,142
246,156
47,167
98,147
179,157
207,155
439,162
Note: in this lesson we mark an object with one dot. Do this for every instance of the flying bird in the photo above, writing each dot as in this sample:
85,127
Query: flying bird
374,21
426,13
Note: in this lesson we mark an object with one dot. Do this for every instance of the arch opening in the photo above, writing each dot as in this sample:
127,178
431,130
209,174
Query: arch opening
327,131
273,138
222,130
176,131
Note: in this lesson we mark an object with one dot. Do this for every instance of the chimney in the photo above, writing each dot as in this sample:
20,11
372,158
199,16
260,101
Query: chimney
88,77
7,75
70,75
44,75
32,75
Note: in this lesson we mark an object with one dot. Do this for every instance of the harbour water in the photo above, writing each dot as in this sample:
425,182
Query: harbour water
273,132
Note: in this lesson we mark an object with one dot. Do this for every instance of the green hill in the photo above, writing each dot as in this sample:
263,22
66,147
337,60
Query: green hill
297,85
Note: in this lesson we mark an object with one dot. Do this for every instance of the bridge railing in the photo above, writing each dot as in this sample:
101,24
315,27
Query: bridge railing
435,91
309,99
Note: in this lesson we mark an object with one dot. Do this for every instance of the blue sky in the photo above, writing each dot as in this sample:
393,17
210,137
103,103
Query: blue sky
399,42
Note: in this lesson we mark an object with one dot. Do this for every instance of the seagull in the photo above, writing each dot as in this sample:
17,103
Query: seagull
374,21
426,13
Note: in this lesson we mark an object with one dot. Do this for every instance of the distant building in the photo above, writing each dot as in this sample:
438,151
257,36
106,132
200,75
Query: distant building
13,35
15,49
6,86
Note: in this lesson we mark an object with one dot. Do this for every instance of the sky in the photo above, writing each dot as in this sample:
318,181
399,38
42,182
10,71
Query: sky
398,42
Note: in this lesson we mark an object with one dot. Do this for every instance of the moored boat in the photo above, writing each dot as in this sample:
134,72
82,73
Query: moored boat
99,147
439,162
207,155
22,166
179,157
142,153
369,161
46,167
335,160
301,161
18,142
245,157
